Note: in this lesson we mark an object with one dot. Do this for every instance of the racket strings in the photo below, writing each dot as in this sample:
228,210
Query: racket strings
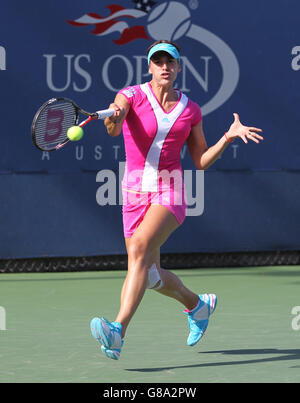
52,124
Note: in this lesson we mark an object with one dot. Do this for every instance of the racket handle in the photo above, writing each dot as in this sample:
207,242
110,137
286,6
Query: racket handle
105,113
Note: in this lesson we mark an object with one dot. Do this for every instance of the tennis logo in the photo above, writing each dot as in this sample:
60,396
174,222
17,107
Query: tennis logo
171,20
2,58
2,318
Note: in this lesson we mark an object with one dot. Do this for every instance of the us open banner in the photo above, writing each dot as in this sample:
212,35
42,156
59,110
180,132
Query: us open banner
237,56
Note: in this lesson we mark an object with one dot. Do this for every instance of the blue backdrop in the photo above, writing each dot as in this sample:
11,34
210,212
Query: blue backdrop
239,57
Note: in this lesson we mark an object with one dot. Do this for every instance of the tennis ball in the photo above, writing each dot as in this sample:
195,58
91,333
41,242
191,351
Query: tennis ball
170,20
75,133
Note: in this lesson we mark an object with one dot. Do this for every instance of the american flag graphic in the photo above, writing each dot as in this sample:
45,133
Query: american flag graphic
117,21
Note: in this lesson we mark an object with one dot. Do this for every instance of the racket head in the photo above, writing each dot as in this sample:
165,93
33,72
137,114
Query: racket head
51,123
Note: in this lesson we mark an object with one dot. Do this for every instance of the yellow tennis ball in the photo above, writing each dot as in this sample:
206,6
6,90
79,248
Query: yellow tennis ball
75,133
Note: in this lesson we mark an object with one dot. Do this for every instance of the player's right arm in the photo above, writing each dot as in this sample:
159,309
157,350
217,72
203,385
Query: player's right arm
114,123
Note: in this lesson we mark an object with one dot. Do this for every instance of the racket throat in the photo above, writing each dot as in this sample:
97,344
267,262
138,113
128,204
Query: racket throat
87,121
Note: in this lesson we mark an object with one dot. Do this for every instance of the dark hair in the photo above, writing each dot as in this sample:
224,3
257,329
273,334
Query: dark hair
163,41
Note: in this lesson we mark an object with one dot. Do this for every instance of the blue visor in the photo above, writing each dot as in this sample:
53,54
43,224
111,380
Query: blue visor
164,47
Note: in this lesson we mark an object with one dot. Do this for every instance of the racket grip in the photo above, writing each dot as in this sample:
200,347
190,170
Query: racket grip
105,113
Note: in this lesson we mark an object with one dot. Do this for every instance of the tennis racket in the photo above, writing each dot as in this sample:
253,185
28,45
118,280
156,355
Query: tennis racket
54,118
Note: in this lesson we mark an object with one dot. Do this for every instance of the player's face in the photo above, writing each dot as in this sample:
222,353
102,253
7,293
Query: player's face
164,68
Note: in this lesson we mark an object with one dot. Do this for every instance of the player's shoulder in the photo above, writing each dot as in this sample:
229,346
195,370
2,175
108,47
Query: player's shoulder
133,94
130,91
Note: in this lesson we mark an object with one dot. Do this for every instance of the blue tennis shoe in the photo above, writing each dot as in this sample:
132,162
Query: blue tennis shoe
109,335
198,318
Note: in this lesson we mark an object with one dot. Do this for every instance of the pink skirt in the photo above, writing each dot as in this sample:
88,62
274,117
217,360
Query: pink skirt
136,205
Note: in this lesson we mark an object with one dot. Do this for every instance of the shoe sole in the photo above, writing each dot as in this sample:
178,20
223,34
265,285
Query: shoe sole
114,355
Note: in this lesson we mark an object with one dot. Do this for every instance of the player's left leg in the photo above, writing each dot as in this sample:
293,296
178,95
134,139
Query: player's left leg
198,307
172,286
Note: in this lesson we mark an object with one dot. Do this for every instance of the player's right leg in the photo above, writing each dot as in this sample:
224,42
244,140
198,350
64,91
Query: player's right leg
158,224
155,228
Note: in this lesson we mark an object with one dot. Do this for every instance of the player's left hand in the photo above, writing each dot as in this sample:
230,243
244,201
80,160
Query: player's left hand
237,129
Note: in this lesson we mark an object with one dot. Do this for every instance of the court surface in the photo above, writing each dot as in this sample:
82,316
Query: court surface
251,337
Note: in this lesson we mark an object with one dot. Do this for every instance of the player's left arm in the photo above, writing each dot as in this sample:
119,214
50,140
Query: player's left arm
203,156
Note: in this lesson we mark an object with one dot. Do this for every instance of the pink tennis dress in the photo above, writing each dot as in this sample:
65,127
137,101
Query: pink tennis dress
153,140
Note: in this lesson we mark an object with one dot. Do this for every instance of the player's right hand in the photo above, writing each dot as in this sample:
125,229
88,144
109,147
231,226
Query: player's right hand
119,113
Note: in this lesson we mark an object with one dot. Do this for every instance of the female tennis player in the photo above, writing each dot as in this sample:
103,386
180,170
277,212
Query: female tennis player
157,120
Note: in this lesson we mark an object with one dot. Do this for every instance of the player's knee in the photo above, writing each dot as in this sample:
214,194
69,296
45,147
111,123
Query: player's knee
137,249
154,280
